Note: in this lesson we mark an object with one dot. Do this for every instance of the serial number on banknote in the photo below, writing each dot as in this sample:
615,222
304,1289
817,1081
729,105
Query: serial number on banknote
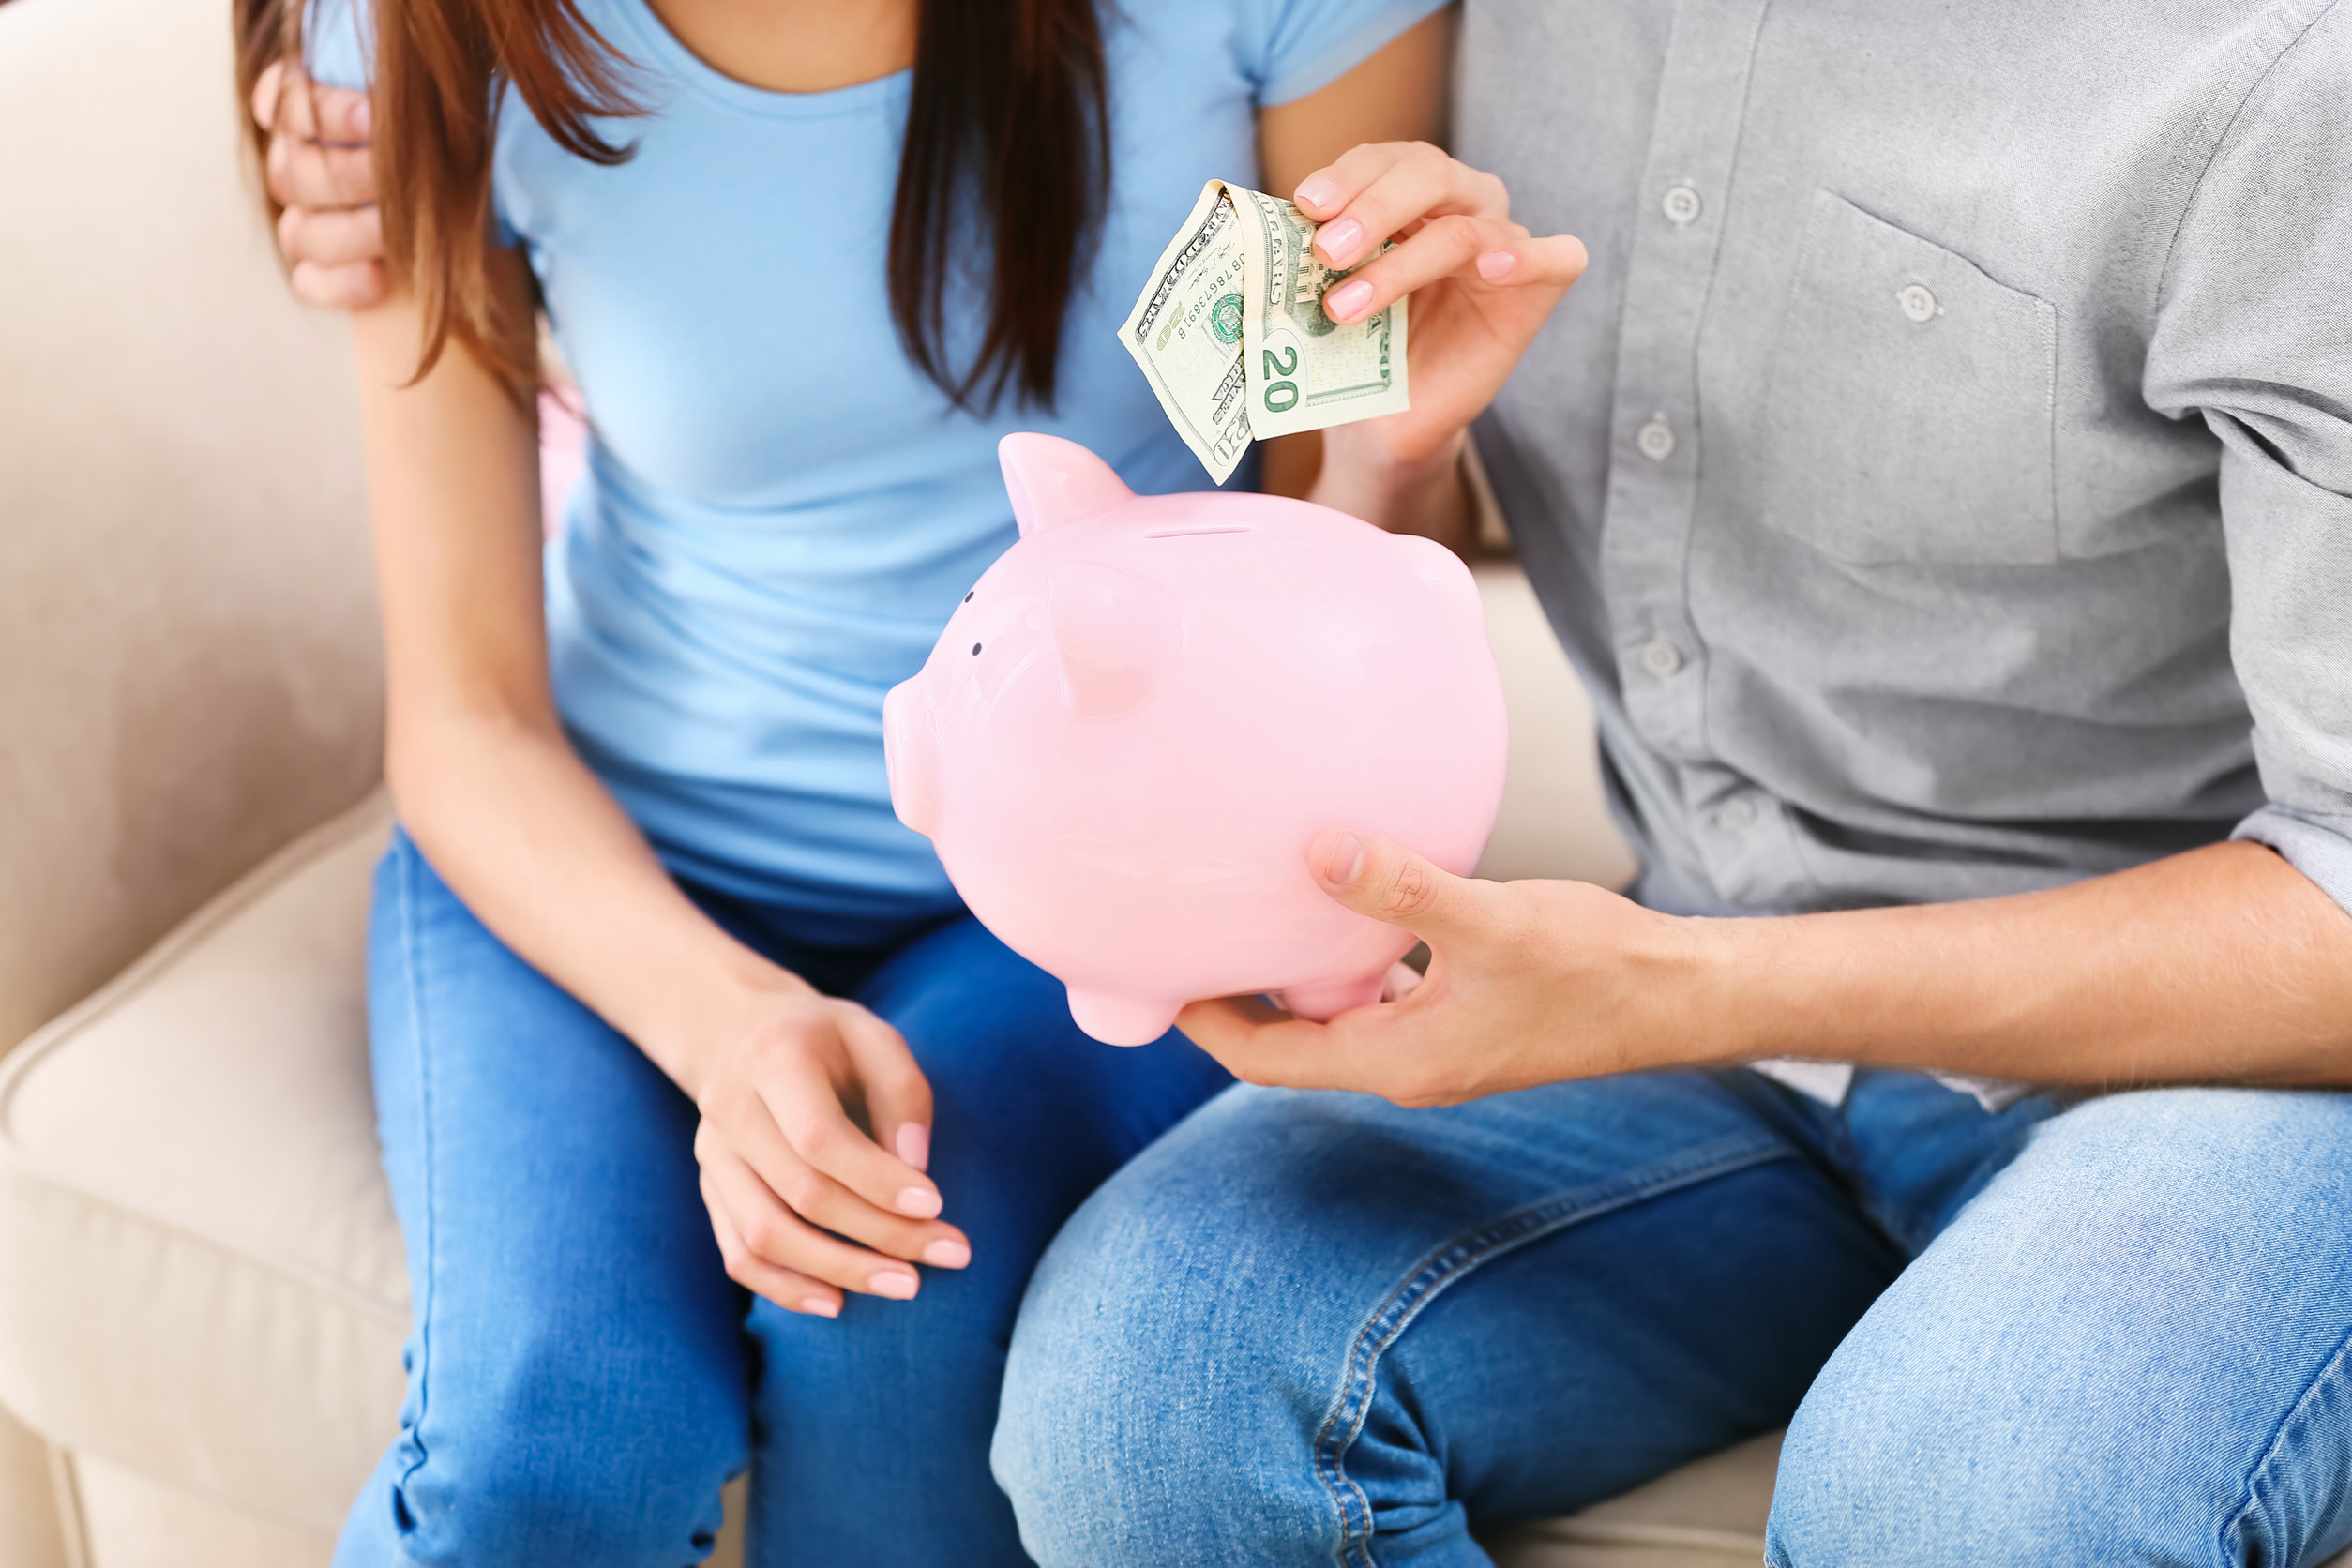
1231,332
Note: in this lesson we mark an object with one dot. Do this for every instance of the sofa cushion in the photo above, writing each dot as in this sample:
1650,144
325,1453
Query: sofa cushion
1707,1515
203,1278
128,1521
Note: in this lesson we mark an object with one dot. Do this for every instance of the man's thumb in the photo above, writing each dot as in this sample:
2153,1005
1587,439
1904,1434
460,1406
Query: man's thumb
1388,882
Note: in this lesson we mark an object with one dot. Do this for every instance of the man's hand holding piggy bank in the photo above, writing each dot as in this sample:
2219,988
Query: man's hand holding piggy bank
1146,711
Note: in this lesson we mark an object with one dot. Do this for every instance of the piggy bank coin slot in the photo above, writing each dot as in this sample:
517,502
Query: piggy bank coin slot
1194,533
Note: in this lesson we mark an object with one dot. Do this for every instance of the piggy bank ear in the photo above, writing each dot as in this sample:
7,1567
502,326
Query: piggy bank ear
1443,571
1052,481
1118,636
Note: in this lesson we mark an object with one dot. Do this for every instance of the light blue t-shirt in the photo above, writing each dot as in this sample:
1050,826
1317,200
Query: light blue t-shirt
779,511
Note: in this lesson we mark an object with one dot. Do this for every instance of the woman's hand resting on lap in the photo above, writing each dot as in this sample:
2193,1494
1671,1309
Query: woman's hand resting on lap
787,1175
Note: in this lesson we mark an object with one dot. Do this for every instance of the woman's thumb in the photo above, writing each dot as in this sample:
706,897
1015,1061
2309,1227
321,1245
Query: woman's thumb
1388,882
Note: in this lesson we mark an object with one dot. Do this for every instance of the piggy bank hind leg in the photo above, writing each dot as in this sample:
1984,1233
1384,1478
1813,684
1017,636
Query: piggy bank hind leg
1319,1000
1120,1020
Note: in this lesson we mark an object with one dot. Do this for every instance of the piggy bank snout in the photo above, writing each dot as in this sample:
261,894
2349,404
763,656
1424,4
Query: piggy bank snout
911,754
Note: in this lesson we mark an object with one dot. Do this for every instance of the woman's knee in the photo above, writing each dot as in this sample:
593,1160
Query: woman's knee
571,1467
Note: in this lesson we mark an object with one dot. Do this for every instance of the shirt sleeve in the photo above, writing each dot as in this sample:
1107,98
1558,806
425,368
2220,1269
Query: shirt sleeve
339,48
1293,47
2254,334
339,43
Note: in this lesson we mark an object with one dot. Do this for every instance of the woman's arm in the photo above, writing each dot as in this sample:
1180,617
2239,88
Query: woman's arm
506,812
486,783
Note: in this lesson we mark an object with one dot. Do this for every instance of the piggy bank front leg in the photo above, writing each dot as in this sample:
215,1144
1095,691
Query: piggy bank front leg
1122,1020
1321,1000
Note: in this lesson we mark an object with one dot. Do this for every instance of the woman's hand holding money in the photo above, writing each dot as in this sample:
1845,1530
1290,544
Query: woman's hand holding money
1482,287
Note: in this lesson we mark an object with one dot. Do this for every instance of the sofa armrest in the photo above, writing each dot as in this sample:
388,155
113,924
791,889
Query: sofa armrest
189,666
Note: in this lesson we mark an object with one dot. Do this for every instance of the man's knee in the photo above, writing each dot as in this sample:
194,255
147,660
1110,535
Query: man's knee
1153,1412
1942,1477
1867,1480
2092,1363
1109,1436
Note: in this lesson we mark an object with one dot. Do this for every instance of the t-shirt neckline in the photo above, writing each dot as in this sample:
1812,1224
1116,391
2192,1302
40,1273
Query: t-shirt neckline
698,75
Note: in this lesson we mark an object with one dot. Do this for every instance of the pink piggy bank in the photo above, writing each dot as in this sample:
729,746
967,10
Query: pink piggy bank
1145,711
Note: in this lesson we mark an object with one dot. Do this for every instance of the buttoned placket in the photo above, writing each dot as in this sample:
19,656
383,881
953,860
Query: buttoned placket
1658,440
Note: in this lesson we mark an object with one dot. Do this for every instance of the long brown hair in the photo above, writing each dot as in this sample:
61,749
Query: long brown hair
1008,126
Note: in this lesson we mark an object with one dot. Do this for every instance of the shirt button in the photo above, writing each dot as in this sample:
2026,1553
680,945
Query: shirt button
1661,657
1735,816
1655,439
1917,302
1681,203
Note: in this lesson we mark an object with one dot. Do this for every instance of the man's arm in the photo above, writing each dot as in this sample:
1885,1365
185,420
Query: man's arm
2223,964
320,171
2231,963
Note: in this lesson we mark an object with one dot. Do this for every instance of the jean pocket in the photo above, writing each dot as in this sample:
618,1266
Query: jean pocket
1907,409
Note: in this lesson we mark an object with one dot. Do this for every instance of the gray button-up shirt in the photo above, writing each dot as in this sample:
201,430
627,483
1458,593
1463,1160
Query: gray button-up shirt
1943,478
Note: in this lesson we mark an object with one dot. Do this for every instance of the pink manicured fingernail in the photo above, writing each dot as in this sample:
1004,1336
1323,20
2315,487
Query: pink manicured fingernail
363,119
1339,241
1317,192
944,1254
1346,862
914,1145
818,1307
922,1202
1496,265
1348,299
890,1282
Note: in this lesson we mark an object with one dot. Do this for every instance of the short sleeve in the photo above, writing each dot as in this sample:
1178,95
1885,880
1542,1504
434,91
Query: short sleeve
1293,47
2254,334
339,48
339,43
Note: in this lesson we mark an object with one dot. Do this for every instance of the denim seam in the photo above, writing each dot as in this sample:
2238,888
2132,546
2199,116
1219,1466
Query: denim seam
1352,1405
412,939
2232,1536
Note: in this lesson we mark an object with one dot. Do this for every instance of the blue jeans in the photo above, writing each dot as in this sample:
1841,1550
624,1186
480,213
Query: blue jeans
583,1377
1314,1328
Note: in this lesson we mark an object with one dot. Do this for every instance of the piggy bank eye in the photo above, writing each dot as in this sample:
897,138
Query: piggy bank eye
976,648
968,596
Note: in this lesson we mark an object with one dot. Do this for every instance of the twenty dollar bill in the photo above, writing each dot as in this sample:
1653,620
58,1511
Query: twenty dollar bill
1231,332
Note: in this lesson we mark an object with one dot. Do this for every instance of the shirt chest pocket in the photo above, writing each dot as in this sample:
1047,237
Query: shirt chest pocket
1907,409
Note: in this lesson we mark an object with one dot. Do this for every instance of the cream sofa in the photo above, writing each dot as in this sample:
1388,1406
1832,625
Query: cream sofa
201,1294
